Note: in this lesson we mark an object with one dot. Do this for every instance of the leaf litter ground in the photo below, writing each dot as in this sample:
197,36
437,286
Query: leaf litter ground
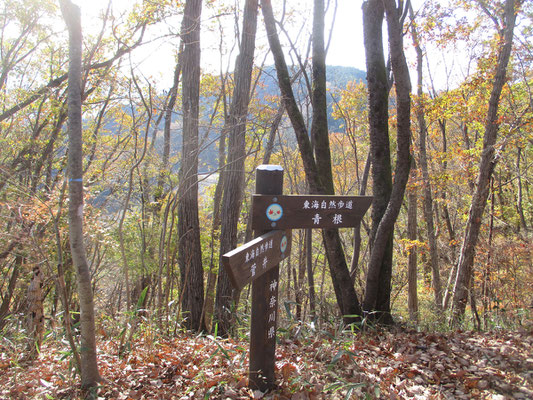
397,364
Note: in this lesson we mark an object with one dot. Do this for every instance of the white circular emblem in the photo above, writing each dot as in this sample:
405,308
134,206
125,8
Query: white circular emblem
283,244
274,212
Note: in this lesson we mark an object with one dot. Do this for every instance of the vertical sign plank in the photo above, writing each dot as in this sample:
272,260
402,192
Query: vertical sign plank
269,181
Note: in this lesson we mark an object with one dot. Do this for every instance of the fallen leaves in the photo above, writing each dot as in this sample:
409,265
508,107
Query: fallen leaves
395,364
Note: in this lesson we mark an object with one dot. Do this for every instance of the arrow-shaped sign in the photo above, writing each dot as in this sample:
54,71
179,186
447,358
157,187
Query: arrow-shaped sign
309,211
253,259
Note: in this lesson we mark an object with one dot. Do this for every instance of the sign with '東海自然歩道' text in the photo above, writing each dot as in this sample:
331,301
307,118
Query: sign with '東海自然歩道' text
308,211
254,258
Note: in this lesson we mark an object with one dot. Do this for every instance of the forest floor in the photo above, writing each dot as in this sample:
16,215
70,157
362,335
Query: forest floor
397,364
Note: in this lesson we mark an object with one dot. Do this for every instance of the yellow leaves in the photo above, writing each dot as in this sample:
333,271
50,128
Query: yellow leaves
408,245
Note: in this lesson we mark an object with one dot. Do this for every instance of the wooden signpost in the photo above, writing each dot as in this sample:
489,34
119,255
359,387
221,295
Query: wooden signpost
273,217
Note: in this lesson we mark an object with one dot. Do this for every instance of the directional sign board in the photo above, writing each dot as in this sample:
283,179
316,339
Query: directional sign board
254,258
309,211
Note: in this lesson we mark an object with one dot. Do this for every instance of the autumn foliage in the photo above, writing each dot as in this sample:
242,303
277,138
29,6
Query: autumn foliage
153,339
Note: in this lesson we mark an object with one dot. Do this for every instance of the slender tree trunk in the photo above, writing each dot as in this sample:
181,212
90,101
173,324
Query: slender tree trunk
299,287
449,226
387,196
378,115
319,182
485,300
486,167
89,366
234,170
133,168
310,273
354,266
173,96
519,195
6,300
412,273
340,274
190,250
209,303
35,320
60,283
428,197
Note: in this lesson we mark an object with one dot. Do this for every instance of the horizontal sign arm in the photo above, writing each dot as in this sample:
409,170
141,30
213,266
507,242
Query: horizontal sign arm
307,211
253,259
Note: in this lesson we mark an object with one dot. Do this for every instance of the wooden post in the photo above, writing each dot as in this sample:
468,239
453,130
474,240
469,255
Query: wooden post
269,181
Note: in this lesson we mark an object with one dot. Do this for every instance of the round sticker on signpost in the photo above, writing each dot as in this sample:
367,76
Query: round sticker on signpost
283,244
274,212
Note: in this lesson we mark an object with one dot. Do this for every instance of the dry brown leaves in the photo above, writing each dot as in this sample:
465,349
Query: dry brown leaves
391,365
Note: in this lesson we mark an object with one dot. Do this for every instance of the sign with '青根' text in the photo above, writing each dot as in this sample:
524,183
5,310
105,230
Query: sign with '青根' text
309,211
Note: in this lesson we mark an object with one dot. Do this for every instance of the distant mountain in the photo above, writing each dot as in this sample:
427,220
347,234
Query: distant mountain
339,76
336,77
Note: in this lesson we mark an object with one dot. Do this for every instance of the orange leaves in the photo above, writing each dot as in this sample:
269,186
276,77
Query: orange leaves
287,370
398,365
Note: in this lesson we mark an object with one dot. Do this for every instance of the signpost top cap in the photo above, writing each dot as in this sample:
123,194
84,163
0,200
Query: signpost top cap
270,167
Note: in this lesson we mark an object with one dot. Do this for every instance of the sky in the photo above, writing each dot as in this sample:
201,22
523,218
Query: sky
348,26
157,60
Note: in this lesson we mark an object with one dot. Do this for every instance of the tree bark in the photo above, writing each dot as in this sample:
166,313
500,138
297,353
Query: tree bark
378,116
173,96
412,273
89,366
234,170
190,250
35,320
486,168
428,197
378,286
6,300
519,195
310,273
320,181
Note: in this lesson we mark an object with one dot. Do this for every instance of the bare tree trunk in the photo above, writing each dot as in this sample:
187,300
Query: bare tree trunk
299,279
173,95
488,265
6,300
412,274
89,366
519,195
209,303
378,115
340,274
354,265
35,313
486,167
428,197
449,226
234,170
190,250
310,273
60,284
378,285
320,182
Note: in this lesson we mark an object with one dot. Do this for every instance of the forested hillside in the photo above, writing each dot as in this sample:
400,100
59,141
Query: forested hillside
267,93
126,178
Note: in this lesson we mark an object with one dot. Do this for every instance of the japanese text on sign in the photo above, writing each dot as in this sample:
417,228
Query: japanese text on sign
254,258
271,328
311,211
